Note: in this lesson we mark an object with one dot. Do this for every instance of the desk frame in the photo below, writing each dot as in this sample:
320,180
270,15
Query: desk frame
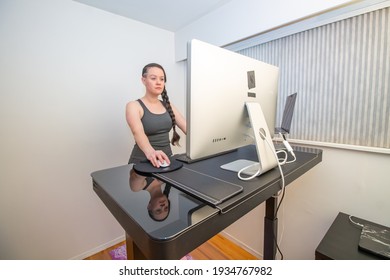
142,246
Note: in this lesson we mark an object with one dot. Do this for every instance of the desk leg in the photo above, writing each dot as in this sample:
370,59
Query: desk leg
132,250
270,228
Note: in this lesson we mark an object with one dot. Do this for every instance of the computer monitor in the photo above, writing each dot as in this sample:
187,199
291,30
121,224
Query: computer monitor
220,82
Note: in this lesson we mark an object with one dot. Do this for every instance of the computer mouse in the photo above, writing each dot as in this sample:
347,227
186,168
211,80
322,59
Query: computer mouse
163,164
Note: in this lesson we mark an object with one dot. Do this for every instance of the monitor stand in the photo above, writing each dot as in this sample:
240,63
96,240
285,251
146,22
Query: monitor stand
265,151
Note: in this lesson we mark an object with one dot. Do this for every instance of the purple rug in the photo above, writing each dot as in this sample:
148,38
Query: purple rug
119,253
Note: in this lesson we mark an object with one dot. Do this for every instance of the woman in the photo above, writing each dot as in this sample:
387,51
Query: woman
151,119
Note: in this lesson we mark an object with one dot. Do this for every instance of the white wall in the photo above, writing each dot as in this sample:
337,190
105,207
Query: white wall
240,19
66,73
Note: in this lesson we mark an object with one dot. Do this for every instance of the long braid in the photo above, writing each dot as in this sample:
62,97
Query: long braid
175,137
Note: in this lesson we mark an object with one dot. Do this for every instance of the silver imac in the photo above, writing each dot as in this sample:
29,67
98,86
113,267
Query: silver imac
220,84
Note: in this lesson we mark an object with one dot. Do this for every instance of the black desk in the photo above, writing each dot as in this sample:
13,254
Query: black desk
191,222
341,241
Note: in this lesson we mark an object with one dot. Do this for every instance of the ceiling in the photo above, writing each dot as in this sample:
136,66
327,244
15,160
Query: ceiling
170,15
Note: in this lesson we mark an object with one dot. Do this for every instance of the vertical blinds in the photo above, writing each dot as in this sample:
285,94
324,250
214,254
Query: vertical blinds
341,72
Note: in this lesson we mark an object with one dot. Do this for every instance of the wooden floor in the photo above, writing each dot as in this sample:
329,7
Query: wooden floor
217,248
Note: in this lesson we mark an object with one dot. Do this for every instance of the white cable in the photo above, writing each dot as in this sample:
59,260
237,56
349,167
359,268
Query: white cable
289,149
259,170
282,161
282,178
247,167
281,191
353,222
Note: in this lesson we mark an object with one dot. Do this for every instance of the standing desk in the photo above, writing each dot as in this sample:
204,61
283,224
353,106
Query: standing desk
191,221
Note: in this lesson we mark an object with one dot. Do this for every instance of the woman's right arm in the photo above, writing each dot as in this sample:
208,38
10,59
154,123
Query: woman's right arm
133,118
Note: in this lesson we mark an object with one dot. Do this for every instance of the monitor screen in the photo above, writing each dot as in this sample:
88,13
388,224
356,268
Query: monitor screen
220,82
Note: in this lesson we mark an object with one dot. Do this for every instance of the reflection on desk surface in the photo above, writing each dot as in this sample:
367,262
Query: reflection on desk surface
117,184
160,209
176,211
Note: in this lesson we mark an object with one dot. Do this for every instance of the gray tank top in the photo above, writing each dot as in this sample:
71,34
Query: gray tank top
156,127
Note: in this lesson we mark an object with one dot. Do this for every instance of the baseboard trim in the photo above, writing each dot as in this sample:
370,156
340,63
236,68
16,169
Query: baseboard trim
242,245
99,248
